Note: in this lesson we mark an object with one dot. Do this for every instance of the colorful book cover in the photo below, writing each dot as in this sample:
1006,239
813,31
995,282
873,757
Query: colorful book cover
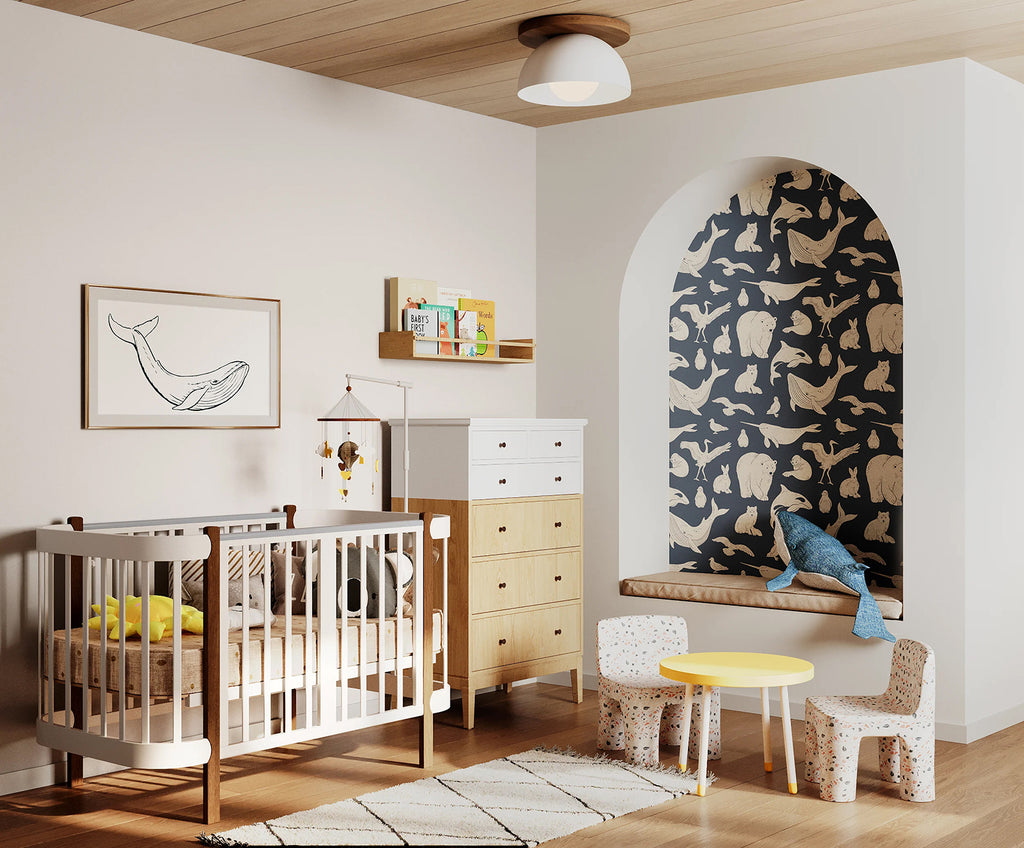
484,324
465,328
403,293
422,322
450,297
445,325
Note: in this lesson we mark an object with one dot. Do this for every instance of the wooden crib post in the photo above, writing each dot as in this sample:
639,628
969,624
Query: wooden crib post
75,775
289,511
212,677
427,722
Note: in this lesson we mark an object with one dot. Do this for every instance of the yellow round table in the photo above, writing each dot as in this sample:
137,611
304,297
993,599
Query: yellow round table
741,670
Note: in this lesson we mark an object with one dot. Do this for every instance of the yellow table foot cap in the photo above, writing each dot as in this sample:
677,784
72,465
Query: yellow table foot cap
792,789
767,766
681,766
700,791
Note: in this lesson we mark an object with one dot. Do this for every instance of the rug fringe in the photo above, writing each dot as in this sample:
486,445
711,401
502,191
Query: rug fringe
216,839
604,758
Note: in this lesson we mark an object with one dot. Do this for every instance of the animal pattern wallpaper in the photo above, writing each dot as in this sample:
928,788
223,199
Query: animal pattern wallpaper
786,380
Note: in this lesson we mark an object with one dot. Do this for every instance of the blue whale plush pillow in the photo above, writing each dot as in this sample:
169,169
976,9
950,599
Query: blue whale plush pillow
811,549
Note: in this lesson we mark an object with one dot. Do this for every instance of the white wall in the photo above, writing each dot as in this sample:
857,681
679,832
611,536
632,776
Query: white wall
619,198
131,160
994,302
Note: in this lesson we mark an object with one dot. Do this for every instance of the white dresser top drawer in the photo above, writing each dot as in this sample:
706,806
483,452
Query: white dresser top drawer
498,480
555,478
488,445
552,444
455,458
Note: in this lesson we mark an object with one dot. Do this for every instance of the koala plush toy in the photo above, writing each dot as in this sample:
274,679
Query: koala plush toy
353,594
255,603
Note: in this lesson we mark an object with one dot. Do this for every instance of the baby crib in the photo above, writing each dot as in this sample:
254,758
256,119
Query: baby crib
306,672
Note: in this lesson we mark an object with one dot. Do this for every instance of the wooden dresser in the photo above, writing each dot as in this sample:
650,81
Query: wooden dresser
514,491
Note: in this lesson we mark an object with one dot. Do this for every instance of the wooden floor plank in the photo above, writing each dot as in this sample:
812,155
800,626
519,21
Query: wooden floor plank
980,800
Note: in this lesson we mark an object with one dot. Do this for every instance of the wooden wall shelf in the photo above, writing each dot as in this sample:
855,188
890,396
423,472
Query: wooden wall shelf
399,345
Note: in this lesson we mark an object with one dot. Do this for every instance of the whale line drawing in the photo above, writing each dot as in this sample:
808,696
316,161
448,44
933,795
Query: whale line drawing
193,392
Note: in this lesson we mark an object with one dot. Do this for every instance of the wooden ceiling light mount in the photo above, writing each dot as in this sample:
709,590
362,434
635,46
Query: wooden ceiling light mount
535,31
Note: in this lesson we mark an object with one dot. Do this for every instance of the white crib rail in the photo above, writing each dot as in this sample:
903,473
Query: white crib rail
334,673
95,717
337,693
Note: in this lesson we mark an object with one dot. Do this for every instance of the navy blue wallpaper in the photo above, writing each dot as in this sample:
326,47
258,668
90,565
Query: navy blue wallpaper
786,379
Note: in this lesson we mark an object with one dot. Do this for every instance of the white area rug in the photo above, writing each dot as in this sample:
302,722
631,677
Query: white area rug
519,800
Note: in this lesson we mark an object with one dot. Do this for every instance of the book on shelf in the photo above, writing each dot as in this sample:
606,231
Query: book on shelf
484,310
465,328
422,322
403,293
447,296
445,326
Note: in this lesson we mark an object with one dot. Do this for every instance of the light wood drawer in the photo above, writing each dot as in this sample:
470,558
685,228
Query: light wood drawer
501,584
497,445
548,444
519,637
521,526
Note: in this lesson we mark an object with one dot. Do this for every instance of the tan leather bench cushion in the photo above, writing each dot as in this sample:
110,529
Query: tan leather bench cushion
747,591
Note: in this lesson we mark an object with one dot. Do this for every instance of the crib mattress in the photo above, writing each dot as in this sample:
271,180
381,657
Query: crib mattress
161,672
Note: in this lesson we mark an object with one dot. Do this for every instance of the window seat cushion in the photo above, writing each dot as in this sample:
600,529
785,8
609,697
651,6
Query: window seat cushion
748,591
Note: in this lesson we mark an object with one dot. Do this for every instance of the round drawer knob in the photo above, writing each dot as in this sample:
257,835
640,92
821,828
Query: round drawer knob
558,524
558,479
558,632
502,585
558,578
502,481
502,445
501,641
558,444
502,529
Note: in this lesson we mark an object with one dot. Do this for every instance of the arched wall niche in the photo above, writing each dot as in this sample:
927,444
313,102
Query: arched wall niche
645,358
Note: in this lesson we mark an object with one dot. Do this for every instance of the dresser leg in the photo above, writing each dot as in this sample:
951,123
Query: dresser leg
576,676
468,708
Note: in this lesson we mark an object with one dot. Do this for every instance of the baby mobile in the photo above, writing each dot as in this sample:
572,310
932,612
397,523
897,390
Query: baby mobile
356,442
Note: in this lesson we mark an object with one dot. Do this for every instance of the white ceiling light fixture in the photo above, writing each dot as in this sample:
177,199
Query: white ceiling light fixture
574,62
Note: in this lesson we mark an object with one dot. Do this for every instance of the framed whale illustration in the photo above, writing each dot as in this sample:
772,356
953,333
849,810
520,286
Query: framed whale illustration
170,359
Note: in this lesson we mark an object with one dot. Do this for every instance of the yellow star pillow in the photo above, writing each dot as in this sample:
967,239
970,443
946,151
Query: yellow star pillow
161,617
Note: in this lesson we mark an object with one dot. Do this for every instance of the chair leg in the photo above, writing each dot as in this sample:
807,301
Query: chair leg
812,760
837,752
671,725
917,768
714,728
610,735
643,723
889,758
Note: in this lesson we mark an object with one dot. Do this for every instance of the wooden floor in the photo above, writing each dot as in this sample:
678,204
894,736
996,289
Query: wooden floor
980,788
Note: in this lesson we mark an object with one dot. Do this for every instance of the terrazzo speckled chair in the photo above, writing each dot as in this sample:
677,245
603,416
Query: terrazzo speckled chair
903,717
638,707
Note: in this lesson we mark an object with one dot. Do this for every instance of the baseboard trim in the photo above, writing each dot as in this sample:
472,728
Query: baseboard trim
51,774
994,723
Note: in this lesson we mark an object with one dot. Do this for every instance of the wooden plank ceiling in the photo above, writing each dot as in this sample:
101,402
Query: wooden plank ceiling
465,54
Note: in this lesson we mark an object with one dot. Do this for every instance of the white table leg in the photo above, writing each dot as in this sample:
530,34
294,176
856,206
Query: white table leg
684,745
766,729
787,735
705,727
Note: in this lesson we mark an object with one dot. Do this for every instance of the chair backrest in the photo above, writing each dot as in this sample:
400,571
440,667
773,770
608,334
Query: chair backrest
912,679
637,643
